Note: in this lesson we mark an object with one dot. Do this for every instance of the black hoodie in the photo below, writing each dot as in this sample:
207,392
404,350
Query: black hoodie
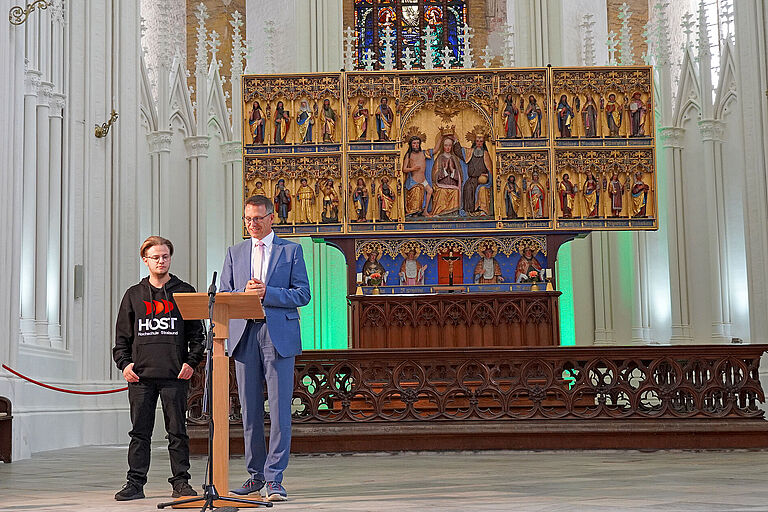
151,334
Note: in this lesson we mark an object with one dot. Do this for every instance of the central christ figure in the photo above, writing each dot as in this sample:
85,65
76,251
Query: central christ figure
446,176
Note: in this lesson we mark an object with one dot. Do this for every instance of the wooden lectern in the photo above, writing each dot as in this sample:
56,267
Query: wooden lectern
228,306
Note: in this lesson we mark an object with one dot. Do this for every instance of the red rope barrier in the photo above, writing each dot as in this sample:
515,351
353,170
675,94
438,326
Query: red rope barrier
54,388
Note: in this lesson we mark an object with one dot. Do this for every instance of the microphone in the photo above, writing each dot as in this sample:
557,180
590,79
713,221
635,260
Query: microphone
212,288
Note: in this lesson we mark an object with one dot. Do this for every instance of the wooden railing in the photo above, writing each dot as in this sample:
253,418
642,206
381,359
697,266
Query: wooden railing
506,384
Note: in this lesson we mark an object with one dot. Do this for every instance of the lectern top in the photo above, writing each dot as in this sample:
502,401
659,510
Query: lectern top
194,306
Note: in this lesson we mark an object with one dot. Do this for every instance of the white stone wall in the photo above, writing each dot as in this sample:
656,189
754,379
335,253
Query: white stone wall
307,36
70,198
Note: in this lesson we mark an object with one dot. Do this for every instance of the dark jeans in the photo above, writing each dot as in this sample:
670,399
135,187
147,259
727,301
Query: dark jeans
142,397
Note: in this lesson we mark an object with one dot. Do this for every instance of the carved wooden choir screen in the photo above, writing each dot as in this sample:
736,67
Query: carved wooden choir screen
518,149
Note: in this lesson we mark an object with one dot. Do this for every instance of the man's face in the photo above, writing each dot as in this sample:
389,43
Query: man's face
411,255
479,141
528,253
360,103
158,260
416,145
566,177
326,104
488,254
257,222
304,182
383,101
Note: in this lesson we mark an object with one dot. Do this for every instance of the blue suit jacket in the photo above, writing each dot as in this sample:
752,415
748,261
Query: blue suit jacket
287,289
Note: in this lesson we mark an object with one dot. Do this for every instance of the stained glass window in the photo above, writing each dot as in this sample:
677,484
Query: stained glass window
408,18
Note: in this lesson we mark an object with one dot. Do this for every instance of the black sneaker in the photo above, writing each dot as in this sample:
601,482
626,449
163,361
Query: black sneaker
250,486
130,491
182,488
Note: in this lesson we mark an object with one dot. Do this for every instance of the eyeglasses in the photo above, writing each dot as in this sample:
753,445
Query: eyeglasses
163,257
253,220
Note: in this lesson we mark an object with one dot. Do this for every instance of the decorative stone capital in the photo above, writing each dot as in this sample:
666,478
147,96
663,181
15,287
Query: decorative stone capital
160,141
32,79
197,146
57,101
231,151
45,93
711,130
671,136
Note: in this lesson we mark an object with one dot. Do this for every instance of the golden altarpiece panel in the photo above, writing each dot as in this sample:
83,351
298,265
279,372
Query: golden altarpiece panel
453,151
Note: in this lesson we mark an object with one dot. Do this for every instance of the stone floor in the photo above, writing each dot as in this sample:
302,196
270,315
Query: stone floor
85,479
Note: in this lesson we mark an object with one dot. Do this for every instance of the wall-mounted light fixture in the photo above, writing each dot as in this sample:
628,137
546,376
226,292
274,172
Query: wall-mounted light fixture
19,15
103,130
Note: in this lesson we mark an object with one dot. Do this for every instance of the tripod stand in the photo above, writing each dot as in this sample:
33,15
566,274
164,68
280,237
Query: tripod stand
210,494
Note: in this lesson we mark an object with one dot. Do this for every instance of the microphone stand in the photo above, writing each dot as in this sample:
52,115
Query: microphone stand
210,494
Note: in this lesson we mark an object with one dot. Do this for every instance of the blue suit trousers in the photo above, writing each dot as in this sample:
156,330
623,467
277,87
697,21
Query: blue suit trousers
256,362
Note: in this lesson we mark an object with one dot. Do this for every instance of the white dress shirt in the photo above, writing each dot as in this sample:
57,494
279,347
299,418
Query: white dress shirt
267,240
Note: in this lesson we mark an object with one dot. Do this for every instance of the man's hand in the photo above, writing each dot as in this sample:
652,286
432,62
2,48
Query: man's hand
256,286
186,372
128,374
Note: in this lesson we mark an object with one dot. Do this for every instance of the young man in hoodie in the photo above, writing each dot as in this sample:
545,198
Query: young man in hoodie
157,351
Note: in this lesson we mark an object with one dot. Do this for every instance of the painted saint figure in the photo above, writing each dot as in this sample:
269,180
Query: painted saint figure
567,192
282,201
360,117
512,198
411,271
446,177
536,195
488,270
384,117
386,200
257,122
527,264
564,116
589,115
372,266
330,212
637,111
360,198
258,189
616,193
415,166
591,193
304,121
613,115
509,115
305,199
329,121
282,123
479,168
533,114
639,196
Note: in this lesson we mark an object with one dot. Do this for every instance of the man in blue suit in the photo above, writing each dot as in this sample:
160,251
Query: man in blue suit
265,350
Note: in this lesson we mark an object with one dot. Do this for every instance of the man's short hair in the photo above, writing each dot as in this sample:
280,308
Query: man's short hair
153,241
259,200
